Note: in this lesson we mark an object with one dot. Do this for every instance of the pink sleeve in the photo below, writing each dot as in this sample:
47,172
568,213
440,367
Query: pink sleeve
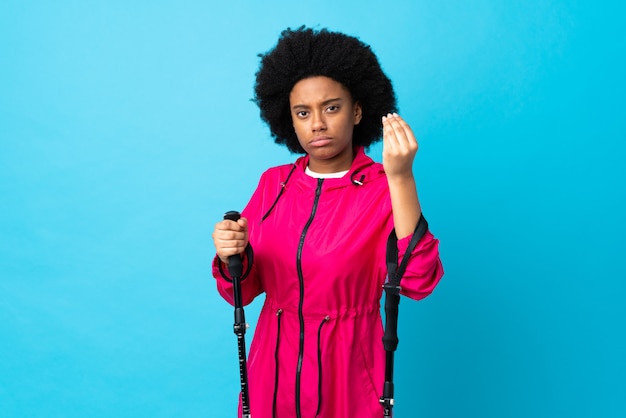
424,269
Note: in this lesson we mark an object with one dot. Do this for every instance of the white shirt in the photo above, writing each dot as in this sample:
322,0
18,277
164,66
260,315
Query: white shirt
337,175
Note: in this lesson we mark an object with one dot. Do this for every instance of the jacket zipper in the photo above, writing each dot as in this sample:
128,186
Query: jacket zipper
318,192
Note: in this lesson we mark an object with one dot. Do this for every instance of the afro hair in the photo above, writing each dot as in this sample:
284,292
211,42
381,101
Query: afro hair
304,53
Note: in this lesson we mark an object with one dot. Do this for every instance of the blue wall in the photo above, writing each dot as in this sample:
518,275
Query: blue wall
127,130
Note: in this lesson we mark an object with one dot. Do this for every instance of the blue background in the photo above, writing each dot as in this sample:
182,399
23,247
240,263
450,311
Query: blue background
126,131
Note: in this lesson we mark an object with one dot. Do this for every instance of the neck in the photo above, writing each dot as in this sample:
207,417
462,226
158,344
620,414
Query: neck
332,165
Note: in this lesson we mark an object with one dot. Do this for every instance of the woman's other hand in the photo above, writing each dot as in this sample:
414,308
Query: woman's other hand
399,147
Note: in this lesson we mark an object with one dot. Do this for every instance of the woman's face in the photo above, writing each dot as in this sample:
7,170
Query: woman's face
324,115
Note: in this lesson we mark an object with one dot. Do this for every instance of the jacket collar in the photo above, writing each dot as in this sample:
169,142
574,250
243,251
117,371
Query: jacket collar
362,170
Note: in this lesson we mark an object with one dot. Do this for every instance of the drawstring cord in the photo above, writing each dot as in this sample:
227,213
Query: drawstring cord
358,182
283,186
278,315
319,364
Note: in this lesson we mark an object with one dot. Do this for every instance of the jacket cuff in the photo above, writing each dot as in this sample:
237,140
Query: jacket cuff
220,269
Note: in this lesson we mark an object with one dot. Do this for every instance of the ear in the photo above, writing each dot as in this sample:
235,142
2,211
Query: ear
358,113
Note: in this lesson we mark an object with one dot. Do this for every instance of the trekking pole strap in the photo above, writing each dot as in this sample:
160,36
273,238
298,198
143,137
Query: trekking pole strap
395,272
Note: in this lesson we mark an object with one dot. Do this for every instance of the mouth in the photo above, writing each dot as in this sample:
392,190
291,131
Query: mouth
320,141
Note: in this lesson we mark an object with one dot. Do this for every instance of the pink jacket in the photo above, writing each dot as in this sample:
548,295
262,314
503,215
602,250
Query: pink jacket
319,256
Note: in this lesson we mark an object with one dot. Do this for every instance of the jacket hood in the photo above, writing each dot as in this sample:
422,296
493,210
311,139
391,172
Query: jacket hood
362,171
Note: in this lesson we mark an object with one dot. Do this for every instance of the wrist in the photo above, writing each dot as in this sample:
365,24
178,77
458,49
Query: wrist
402,178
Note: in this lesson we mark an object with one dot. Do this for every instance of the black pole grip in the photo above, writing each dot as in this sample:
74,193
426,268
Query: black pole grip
390,338
235,266
232,215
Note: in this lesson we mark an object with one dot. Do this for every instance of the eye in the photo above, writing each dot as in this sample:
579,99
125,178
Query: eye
302,114
332,108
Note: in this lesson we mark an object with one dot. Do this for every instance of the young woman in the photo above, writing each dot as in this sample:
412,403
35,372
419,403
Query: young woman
318,229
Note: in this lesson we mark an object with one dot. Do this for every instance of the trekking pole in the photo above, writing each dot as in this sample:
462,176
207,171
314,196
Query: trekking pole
235,268
392,300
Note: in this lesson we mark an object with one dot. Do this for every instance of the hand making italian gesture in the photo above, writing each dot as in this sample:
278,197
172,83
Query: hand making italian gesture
399,146
399,149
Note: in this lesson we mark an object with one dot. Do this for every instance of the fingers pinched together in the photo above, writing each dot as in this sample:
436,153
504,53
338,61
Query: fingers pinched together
399,146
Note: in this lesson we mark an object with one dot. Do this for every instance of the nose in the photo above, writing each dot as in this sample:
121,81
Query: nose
317,122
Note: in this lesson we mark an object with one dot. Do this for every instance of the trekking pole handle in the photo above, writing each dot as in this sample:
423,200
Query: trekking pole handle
235,266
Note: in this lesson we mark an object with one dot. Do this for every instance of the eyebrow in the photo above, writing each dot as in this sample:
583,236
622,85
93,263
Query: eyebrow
324,103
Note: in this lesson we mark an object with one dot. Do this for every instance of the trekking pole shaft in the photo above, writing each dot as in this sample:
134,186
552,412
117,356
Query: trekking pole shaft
240,331
387,400
390,342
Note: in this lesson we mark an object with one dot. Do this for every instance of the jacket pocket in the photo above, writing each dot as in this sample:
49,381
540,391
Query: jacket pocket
370,388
